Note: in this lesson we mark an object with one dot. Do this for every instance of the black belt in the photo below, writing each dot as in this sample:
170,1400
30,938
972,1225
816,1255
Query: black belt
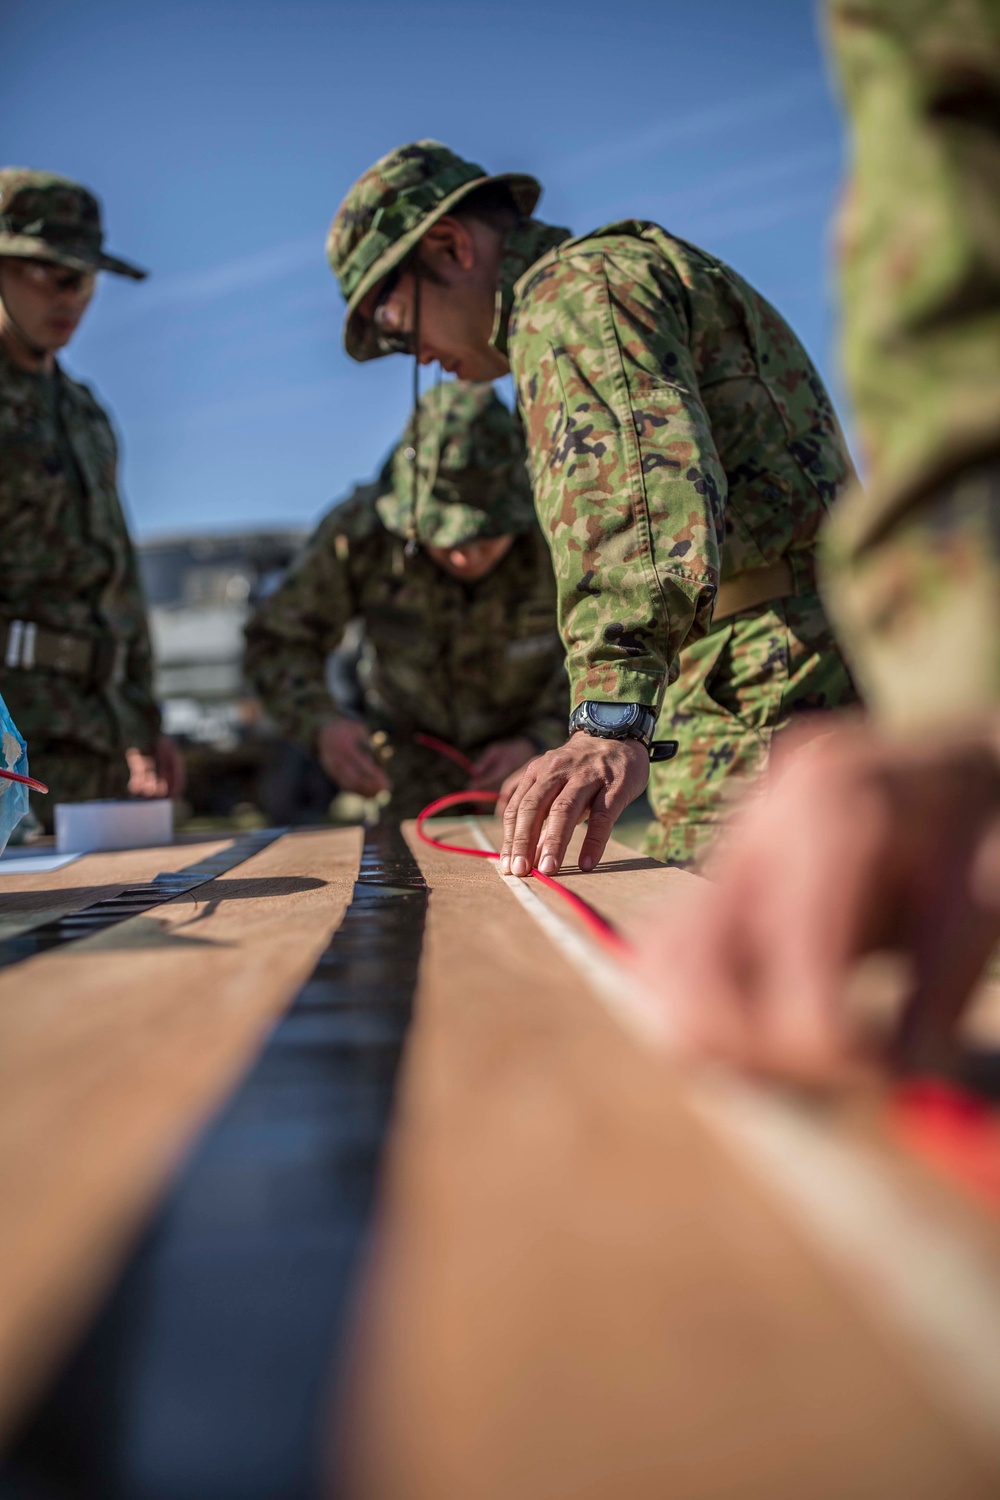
29,647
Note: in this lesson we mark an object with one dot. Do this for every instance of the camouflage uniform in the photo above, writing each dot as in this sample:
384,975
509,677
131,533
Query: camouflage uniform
468,663
68,567
679,439
914,562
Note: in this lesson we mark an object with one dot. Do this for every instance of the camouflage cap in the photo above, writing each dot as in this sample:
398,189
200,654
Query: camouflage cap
472,482
44,217
389,209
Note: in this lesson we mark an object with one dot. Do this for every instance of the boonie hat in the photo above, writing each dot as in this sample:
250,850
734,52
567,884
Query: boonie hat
45,217
472,482
389,209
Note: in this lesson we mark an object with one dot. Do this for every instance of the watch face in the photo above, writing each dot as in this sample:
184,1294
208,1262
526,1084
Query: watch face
610,715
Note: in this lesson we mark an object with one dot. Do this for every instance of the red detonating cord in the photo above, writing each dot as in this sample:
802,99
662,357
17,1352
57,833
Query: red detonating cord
952,1130
431,742
37,786
598,926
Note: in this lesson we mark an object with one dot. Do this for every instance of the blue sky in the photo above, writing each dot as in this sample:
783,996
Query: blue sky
221,138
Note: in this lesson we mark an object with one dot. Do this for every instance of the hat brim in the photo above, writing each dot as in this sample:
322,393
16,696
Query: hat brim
359,333
27,247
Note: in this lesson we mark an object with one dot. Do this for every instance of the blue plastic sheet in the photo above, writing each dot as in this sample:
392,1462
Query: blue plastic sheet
13,794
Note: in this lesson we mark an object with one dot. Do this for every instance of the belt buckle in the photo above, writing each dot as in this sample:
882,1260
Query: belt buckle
20,648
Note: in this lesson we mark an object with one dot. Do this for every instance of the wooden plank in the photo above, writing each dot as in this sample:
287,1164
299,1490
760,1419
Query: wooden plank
113,1052
27,900
579,1289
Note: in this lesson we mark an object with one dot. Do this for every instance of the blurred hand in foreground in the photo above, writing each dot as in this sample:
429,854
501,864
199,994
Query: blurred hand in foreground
160,774
498,761
344,750
858,893
588,779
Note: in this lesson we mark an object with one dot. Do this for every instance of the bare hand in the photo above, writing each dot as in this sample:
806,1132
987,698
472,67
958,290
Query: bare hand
345,753
500,760
587,778
864,881
158,775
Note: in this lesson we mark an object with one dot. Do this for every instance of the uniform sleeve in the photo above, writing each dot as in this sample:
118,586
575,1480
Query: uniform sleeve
628,485
548,724
292,633
912,572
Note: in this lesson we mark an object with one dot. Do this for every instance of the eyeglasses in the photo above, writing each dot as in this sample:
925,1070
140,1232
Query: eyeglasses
393,340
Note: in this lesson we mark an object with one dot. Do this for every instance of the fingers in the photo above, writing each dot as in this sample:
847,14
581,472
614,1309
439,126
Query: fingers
143,780
547,800
356,771
557,791
508,789
499,762
346,756
599,825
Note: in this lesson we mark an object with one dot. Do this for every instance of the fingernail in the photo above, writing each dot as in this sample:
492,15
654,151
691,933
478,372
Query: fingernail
586,862
504,864
519,866
548,865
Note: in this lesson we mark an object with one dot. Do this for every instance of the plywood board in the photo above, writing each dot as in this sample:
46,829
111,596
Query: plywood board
114,1050
581,1289
27,900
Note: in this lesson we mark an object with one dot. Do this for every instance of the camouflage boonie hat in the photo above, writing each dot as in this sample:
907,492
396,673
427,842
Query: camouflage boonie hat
472,482
389,209
44,217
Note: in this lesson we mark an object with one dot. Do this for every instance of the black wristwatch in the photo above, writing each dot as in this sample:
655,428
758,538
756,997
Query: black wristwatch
622,721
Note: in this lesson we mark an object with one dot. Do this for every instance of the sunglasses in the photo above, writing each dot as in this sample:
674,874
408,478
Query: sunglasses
395,340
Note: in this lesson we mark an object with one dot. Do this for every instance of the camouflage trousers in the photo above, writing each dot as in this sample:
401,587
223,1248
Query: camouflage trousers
744,681
418,775
73,775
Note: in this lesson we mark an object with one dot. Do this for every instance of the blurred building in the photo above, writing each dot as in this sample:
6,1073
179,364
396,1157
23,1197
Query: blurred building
200,590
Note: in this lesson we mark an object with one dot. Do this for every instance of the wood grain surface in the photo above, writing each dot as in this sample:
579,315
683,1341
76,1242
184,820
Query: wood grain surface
579,1291
27,900
114,1051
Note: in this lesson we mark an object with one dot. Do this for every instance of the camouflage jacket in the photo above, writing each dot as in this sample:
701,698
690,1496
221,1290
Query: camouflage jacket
677,434
68,565
467,662
913,576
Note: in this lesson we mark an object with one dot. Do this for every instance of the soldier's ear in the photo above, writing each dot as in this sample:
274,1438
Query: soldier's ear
450,243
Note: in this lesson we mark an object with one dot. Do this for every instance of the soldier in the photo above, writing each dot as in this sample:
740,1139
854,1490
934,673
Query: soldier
887,839
454,586
678,435
75,663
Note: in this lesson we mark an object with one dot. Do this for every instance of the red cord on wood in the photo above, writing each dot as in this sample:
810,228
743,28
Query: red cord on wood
954,1132
951,1129
598,926
37,786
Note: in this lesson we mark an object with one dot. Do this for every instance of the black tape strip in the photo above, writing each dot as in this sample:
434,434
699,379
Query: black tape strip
132,901
210,1373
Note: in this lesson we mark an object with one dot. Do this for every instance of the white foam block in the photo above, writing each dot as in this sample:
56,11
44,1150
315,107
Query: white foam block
21,863
82,827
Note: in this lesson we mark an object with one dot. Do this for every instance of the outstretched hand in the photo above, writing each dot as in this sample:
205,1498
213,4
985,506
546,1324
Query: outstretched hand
849,911
587,778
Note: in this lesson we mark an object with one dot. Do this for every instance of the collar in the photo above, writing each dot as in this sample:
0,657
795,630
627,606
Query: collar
522,247
10,370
